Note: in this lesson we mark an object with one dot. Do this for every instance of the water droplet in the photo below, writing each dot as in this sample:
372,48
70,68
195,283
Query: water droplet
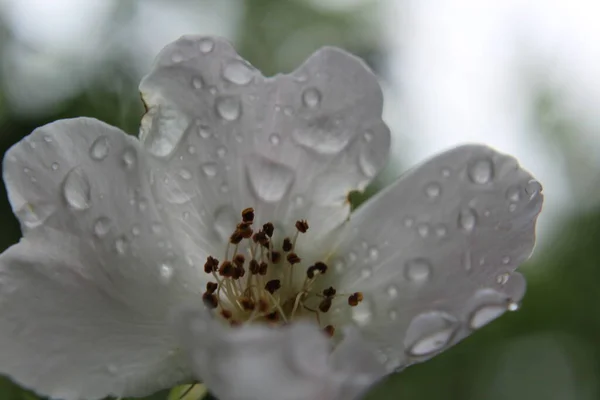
129,158
142,204
429,333
47,139
392,291
228,107
373,254
441,230
467,219
270,181
206,45
136,230
433,190
101,226
121,245
446,172
512,207
55,166
362,314
417,270
288,111
166,273
501,279
224,221
274,139
238,72
204,131
197,82
339,266
224,188
311,97
512,306
100,148
366,273
209,169
368,164
191,150
177,58
423,230
368,136
513,193
185,174
156,228
505,260
409,222
533,188
76,189
485,314
298,201
221,151
112,369
212,90
481,171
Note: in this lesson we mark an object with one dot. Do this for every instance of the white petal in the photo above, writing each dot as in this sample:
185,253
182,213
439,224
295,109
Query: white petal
287,363
95,263
434,254
291,146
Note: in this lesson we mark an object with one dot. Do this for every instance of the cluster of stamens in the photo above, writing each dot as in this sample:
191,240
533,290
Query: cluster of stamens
262,285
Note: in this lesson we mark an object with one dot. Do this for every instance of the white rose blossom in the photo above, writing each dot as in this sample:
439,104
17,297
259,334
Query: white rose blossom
219,246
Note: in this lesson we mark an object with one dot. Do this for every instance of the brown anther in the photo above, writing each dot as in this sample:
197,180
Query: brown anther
244,230
325,304
293,258
310,272
254,267
211,265
302,226
226,314
263,305
211,287
287,244
234,323
248,214
329,292
239,260
321,267
275,257
237,273
236,237
210,300
272,317
240,272
247,303
261,237
262,268
226,269
273,285
268,229
329,330
355,298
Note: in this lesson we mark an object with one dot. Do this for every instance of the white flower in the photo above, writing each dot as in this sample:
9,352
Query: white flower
117,232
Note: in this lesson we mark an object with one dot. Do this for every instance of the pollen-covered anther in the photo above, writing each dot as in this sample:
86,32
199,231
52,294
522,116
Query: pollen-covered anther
293,258
239,260
244,230
273,285
275,257
269,229
211,265
227,269
329,330
211,287
226,314
254,267
325,304
236,237
263,305
354,299
263,268
210,300
329,292
261,238
248,214
302,226
287,244
272,317
247,303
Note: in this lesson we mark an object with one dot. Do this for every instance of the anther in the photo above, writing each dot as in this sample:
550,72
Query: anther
238,272
254,267
268,228
329,292
226,269
211,287
275,257
239,260
244,230
272,317
247,303
236,237
354,299
321,267
262,269
293,258
261,237
248,214
210,300
226,314
211,265
287,244
329,330
325,304
273,285
310,272
302,226
263,305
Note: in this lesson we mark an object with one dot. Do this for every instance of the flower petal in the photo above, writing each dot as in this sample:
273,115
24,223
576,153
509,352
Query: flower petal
258,362
291,146
94,258
434,254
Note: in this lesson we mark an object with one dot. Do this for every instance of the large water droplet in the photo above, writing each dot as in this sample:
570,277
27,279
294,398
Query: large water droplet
362,314
433,190
429,333
166,273
311,97
55,166
228,107
238,72
99,149
481,171
206,45
270,181
485,314
417,270
224,221
177,58
209,169
101,226
467,219
76,189
204,131
33,216
533,188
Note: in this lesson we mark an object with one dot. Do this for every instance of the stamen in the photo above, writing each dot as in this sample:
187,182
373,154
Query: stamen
354,299
302,226
210,300
293,258
329,330
211,265
268,229
273,285
248,214
211,287
275,257
287,244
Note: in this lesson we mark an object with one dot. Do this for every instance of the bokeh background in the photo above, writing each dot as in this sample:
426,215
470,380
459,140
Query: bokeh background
522,76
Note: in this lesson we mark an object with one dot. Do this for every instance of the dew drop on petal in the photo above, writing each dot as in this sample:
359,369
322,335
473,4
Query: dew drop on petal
76,189
481,171
533,188
513,193
121,245
423,230
209,169
225,220
512,306
177,58
467,219
221,151
99,149
441,230
135,230
129,158
274,139
409,222
101,226
311,97
166,273
429,333
238,72
392,291
185,174
362,314
373,254
197,82
366,273
270,181
485,314
228,108
433,190
204,131
501,279
55,166
206,45
417,270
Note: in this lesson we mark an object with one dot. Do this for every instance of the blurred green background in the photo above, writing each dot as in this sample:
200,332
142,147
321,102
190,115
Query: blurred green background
69,58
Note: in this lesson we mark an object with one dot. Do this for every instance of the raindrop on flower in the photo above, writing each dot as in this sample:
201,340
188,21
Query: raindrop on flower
274,139
392,291
166,273
311,97
197,82
121,245
221,151
481,171
99,149
101,226
485,314
423,230
129,158
467,219
433,190
429,333
76,189
177,58
136,230
513,193
203,131
206,45
270,181
238,72
209,169
185,174
362,314
417,270
55,166
228,108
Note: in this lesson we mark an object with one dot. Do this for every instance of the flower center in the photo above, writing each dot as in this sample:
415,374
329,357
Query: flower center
268,284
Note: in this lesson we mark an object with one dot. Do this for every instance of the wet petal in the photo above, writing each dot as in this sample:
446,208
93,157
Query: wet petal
96,253
287,363
291,146
435,253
